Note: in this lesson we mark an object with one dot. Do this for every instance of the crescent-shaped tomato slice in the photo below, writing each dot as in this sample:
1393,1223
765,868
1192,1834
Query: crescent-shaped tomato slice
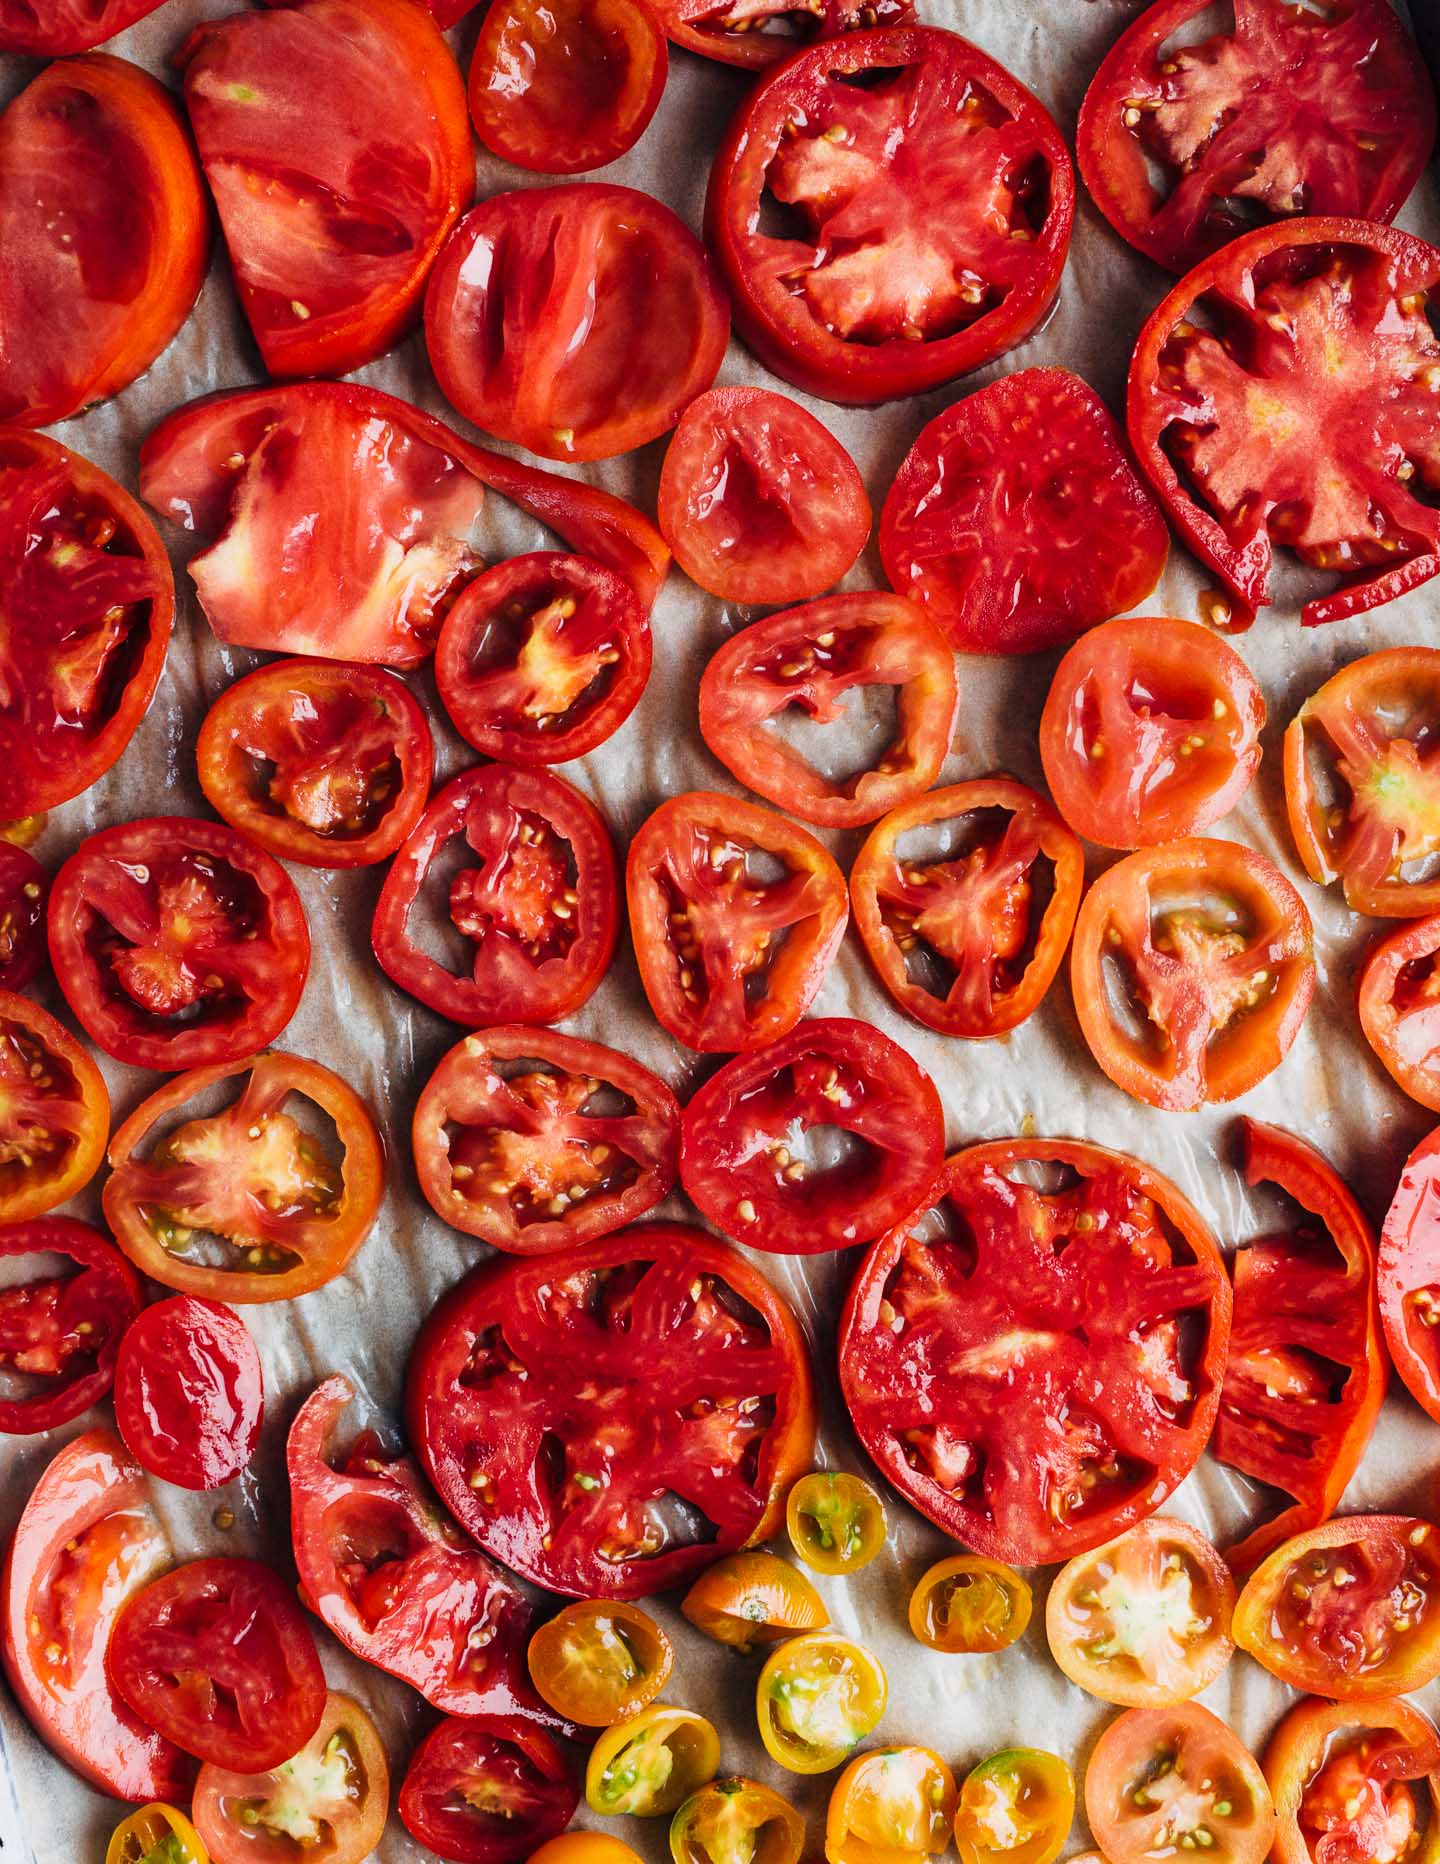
54,1112
60,26
1354,1783
60,1333
1399,1004
755,34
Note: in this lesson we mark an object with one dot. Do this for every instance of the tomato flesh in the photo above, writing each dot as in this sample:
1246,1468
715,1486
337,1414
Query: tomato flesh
486,1790
1398,995
54,1112
753,1599
1350,1780
1408,1276
757,33
60,1334
189,1392
818,1697
1161,1776
736,1818
893,1806
599,1664
65,25
1017,1806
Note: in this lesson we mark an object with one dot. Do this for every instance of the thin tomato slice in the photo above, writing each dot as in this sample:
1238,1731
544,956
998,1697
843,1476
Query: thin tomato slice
1408,1275
65,25
754,34
486,1790
60,1333
54,1112
1158,1777
189,1392
1399,1004
1354,1783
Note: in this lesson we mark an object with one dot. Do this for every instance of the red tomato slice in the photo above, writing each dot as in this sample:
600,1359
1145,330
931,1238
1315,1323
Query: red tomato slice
1158,1777
104,229
819,1141
178,943
189,1393
1081,1330
1293,111
535,1398
1151,730
931,198
970,940
59,1333
24,891
1307,1369
1322,323
486,1790
536,906
807,661
730,952
1354,1783
1192,971
534,311
54,1112
89,597
758,501
542,658
535,1141
59,26
755,34
1408,1275
1399,988
1017,520
564,86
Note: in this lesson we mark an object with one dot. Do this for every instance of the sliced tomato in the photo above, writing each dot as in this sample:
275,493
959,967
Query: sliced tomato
734,1818
600,1662
24,892
1354,1783
1160,1776
835,1521
246,1203
1036,1369
891,1806
1017,1807
533,1141
926,199
1192,971
969,1605
1151,730
649,1764
818,1141
806,663
104,229
967,935
156,1830
1398,991
750,1600
1307,1370
817,1698
178,943
486,1790
1017,520
1408,1275
1284,393
61,26
189,1392
54,1112
757,33
614,1483
60,1333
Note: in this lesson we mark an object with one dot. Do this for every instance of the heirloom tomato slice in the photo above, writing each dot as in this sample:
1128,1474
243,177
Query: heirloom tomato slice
24,892
757,33
754,1599
969,1605
60,1332
649,1764
55,27
54,1112
1284,393
1355,1783
1017,1807
598,1662
736,1818
817,1698
609,1420
1408,1275
486,1790
1158,1777
891,209
1034,1359
1399,1002
890,1806
189,1392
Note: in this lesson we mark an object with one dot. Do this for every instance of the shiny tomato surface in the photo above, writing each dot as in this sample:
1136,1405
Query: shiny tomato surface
1354,1783
1398,994
24,892
486,1790
60,1332
760,33
1159,1776
189,1392
54,1112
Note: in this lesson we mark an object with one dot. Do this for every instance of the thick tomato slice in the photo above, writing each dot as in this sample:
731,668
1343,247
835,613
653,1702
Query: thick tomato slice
542,658
189,1392
1017,520
486,1790
690,1416
60,26
60,1333
600,1662
1158,1777
24,892
534,1141
1037,1369
1284,393
1354,1783
1408,1275
821,1140
731,952
735,1818
754,34
1191,971
927,197
178,943
89,599
534,315
248,1202
535,909
891,1806
1294,110
1307,1370
758,501
1399,1004
968,936
54,1112
806,664
751,1600
1151,730
105,233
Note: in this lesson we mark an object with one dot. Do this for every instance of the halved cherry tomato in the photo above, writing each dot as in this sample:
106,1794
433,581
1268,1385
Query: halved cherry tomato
1407,1275
891,1806
970,1605
967,935
533,310
189,1393
54,1112
178,943
584,1848
651,1763
1191,971
806,661
65,25
836,1521
1151,730
24,891
1398,990
818,1697
1355,1783
739,32
486,1790
255,1201
736,1819
758,1141
600,1663
1017,1806
930,199
1080,1309
60,1334
1158,1777
750,1599
542,658
758,501
156,1835
535,909
731,953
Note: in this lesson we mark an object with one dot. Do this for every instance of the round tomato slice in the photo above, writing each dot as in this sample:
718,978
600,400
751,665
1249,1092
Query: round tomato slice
823,1139
757,33
534,1141
24,891
1159,1776
486,1790
1408,1275
1151,730
1185,144
929,200
534,312
62,26
817,1698
1015,1808
836,1521
736,1818
1398,993
60,1333
584,1848
731,951
677,1442
890,1806
105,234
1355,1783
54,1112
807,662
758,501
267,1196
321,763
156,1831
189,1393
1322,324
1017,520
1192,971
600,1663
967,935
750,1600
969,1605
536,906
543,658
1081,1328
650,1764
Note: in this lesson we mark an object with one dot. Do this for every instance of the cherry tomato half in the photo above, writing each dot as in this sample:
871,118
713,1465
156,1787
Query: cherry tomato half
753,1599
836,1521
890,1806
818,1696
736,1819
24,891
584,1848
54,1112
600,1662
156,1832
650,1764
189,1393
1407,1275
1353,1781
60,1334
486,1790
1158,1777
1398,991
1018,1806
969,1604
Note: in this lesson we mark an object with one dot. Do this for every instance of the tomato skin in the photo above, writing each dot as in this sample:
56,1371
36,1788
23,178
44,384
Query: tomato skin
944,1614
1394,995
598,1664
715,29
135,1837
1407,1273
67,1100
626,1772
470,1778
189,1392
840,1679
731,1811
1366,1755
24,891
890,1806
60,29
1026,1792
753,1599
584,1848
836,1521
1208,1763
50,1322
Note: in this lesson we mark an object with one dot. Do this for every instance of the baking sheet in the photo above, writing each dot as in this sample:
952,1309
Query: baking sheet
1330,1088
